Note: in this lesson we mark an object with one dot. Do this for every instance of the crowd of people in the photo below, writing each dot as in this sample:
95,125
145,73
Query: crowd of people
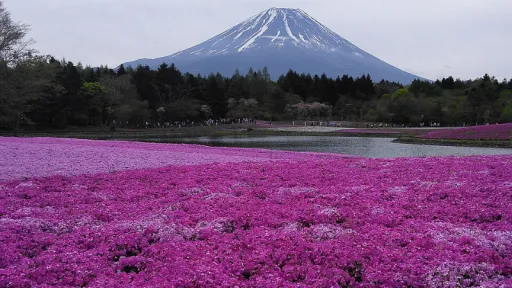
227,121
181,124
224,121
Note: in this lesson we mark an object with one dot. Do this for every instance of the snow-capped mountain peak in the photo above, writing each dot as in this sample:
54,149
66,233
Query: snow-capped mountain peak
275,27
281,39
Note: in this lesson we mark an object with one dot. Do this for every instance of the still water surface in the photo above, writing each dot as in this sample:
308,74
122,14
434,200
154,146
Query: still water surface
357,146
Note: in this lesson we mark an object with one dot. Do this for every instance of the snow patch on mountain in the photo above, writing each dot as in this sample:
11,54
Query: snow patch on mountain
271,28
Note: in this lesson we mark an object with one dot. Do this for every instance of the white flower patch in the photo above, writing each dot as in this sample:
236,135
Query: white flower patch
285,192
214,196
455,184
77,187
397,189
239,185
174,207
328,232
443,232
221,225
26,222
193,191
28,184
168,233
427,184
27,211
164,231
446,232
155,221
297,190
83,221
101,196
291,228
485,172
329,212
450,274
502,241
30,223
377,210
506,184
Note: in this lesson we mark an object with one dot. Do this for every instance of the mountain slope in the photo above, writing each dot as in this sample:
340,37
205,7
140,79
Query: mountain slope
280,39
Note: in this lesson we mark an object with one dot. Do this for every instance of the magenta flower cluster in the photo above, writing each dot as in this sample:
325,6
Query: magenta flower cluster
292,220
481,132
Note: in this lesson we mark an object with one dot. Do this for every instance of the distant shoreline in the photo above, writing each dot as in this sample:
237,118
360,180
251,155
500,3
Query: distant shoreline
400,135
454,142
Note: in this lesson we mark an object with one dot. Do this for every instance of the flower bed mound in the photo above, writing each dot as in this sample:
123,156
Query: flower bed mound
426,222
42,157
483,132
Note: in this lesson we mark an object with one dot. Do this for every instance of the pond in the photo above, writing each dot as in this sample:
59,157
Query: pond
357,146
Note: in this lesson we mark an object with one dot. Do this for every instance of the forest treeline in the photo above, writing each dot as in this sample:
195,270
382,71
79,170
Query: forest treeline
83,96
42,92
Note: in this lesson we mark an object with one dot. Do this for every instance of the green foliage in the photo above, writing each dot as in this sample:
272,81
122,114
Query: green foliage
83,96
425,88
400,93
21,85
90,104
92,89
506,115
506,95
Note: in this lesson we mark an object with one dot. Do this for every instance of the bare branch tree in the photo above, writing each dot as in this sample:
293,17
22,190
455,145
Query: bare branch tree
23,75
13,43
122,99
168,94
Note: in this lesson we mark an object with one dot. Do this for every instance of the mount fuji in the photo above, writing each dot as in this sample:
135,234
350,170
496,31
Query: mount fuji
281,39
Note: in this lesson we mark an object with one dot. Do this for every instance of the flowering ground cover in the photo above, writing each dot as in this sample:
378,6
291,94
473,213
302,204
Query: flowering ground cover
482,132
273,219
29,157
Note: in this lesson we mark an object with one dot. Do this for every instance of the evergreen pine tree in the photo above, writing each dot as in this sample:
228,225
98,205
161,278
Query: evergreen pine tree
121,70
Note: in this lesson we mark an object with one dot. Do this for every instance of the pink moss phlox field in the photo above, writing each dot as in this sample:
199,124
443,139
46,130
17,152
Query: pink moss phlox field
482,132
303,222
41,157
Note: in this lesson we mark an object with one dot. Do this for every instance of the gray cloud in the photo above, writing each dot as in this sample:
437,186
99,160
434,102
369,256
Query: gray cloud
423,35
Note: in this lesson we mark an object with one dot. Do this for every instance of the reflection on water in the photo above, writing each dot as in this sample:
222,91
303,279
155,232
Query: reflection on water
358,146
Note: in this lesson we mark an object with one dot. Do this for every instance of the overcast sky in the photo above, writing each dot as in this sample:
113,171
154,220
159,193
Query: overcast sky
431,38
